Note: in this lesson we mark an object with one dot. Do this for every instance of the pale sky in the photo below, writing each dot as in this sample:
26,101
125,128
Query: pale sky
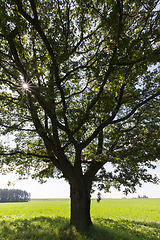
58,188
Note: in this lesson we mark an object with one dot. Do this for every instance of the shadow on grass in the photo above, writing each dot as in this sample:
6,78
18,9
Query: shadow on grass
35,228
129,229
46,228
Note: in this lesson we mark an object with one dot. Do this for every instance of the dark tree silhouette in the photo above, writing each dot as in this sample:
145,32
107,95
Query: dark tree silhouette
14,195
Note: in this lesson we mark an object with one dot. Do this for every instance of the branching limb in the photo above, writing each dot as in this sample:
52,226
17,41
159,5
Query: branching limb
34,89
23,153
33,5
155,52
131,128
94,166
13,127
137,107
105,122
38,125
10,37
38,28
110,69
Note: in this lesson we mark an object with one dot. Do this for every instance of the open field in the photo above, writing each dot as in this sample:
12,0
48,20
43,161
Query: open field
114,219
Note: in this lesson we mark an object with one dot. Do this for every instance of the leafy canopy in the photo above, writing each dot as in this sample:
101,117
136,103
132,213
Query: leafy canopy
79,88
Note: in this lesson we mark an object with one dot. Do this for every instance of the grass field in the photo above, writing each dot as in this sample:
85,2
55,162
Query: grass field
113,219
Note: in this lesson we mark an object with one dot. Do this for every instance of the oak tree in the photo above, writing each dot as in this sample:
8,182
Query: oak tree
79,88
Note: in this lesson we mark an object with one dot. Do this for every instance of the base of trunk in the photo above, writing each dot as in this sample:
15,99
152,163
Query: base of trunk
80,208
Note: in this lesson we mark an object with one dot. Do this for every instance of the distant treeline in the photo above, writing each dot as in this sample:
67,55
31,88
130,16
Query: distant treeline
14,195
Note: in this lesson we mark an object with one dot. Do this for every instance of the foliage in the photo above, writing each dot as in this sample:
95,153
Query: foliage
79,88
113,219
14,195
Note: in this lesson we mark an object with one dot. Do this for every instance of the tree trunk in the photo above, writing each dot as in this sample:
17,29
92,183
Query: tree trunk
80,208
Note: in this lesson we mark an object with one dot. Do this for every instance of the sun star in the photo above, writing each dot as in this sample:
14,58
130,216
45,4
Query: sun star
25,86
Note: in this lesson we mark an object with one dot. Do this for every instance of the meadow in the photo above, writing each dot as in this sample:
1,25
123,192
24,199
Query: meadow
113,219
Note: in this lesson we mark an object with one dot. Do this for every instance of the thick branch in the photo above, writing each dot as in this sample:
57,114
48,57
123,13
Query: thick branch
32,2
96,165
100,143
15,54
39,127
62,163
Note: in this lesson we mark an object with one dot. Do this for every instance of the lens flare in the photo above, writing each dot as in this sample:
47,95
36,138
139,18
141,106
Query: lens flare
25,86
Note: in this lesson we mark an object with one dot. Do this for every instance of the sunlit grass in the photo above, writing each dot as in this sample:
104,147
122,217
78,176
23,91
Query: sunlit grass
134,209
34,209
113,219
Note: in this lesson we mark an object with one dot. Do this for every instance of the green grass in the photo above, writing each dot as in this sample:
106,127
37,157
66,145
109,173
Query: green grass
113,219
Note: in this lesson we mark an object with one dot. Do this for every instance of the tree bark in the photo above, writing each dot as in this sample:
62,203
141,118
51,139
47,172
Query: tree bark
80,207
